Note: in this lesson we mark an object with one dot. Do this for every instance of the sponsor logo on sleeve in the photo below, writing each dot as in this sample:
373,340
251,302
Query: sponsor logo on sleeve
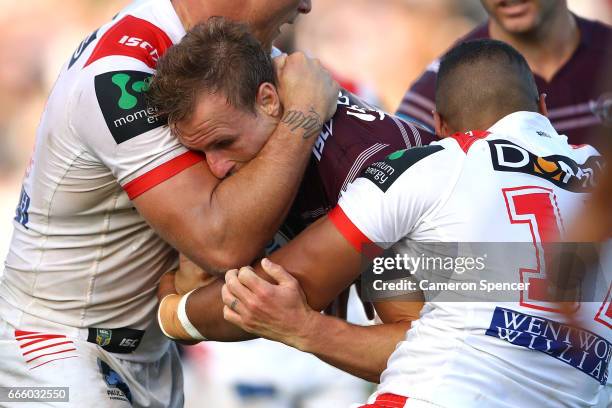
121,96
384,173
579,348
559,170
132,37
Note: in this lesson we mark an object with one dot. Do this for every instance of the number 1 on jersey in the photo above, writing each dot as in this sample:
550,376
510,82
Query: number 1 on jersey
536,207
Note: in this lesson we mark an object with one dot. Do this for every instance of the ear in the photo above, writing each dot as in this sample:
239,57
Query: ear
542,108
440,126
267,99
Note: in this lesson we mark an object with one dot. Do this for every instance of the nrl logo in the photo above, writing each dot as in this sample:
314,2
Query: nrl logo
103,337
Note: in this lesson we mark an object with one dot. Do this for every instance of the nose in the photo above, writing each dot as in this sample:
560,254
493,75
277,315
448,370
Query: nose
305,6
219,166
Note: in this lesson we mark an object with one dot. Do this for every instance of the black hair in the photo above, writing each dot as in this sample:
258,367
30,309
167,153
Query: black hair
483,76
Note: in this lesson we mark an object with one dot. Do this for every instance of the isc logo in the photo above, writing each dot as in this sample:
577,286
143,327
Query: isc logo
138,42
129,342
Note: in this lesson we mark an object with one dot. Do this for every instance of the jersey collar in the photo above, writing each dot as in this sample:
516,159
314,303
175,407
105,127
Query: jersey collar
524,123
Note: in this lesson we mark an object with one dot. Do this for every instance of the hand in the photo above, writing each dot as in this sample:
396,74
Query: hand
277,312
166,285
190,276
308,92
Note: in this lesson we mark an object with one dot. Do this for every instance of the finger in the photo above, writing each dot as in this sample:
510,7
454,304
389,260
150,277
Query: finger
233,317
237,289
256,284
277,272
226,296
230,300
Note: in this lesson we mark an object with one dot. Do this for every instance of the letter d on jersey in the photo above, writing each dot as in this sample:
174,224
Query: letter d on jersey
510,155
121,96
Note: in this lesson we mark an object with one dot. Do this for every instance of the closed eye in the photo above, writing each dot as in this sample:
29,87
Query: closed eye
223,144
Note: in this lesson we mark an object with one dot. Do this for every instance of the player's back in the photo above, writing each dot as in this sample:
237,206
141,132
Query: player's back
81,255
520,184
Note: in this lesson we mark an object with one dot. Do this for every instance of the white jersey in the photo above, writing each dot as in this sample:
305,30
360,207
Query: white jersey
518,182
81,255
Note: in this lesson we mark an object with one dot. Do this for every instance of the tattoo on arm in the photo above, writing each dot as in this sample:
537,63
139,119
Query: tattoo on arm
310,122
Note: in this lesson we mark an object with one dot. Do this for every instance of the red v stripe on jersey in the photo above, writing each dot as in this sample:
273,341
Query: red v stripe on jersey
47,346
43,347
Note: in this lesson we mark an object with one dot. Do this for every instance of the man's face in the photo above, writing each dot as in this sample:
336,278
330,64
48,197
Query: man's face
230,137
521,16
267,16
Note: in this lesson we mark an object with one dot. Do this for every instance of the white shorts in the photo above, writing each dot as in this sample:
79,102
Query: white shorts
93,376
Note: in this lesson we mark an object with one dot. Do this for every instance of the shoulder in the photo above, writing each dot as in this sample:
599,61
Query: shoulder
113,90
597,35
133,37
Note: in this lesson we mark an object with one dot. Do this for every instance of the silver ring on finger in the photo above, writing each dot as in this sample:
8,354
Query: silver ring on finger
234,304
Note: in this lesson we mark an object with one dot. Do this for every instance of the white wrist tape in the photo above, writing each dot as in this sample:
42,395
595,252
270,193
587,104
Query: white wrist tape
159,319
182,316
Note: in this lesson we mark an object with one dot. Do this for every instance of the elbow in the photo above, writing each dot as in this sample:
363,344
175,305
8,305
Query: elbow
217,256
219,260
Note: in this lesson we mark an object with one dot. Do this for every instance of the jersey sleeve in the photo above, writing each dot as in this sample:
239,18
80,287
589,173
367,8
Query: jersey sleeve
389,199
110,115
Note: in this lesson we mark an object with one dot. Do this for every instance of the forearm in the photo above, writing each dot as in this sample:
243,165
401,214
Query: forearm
205,312
243,221
360,350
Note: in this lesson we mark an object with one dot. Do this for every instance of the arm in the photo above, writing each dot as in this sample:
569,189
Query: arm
290,320
207,222
321,272
324,259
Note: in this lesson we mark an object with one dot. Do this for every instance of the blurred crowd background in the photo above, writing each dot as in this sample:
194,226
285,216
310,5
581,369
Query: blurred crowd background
376,47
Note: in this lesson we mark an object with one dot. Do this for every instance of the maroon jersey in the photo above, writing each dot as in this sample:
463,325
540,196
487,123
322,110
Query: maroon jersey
356,136
579,96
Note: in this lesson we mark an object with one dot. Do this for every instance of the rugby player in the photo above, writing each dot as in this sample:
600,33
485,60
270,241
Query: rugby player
461,189
98,220
569,56
230,125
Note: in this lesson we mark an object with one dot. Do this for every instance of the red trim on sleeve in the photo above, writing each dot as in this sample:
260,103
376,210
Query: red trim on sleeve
161,173
346,227
467,139
388,401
